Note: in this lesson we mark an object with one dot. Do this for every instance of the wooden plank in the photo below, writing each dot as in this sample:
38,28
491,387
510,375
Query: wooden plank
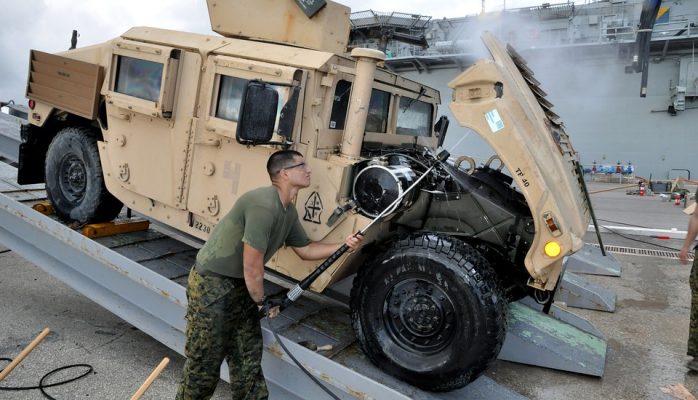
678,390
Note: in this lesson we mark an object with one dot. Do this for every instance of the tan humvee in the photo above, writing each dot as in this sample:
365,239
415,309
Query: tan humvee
177,125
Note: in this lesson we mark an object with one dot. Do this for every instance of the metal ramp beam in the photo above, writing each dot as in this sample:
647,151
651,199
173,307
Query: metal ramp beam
535,338
136,294
10,137
157,305
590,260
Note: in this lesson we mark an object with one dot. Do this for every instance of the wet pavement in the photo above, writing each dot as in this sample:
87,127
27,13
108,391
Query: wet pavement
648,331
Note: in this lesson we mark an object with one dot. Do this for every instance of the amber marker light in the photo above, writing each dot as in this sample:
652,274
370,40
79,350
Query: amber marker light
552,249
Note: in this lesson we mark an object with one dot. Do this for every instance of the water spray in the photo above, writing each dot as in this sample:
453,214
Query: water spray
302,286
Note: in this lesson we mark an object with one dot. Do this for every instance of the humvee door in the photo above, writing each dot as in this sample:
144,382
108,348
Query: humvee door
224,166
149,117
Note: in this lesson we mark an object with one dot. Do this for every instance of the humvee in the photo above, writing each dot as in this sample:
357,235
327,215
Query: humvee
178,125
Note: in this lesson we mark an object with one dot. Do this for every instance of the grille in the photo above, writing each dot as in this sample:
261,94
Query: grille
673,255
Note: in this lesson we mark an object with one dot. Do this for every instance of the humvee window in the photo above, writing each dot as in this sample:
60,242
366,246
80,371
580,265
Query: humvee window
138,78
414,117
340,105
378,107
377,119
230,93
230,97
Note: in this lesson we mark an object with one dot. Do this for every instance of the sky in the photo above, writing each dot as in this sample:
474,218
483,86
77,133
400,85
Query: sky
47,25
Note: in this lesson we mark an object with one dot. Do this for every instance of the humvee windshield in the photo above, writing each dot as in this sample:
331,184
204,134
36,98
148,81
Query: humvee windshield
413,116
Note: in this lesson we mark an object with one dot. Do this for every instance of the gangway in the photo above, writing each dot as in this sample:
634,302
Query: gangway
141,277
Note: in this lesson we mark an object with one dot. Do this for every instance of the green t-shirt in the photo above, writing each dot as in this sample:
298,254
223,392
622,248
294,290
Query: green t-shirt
259,219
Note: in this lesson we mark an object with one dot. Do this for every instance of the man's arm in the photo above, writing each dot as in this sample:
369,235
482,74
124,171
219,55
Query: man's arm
319,251
690,237
253,263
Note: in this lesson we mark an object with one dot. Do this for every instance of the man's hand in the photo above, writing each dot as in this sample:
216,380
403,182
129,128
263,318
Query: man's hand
274,312
269,309
353,241
683,256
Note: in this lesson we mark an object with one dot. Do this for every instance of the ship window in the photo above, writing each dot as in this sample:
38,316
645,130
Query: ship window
139,78
414,117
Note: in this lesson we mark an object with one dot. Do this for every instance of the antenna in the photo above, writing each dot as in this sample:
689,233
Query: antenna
74,40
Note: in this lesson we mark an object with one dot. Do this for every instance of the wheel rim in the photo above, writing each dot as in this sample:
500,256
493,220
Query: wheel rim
419,316
73,178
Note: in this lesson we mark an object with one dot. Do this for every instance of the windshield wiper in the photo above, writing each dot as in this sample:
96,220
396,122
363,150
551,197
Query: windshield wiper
422,90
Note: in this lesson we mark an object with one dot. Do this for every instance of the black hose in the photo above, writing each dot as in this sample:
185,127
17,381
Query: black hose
625,223
298,364
41,386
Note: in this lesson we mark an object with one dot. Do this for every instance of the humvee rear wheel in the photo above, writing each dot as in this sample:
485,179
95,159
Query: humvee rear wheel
74,179
429,311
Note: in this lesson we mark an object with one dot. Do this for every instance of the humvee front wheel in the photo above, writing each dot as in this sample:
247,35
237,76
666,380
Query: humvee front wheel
429,311
74,179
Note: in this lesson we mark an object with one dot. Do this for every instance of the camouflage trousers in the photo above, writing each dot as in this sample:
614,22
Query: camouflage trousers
222,323
693,329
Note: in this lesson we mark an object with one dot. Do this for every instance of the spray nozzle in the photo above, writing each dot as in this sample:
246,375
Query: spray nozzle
443,156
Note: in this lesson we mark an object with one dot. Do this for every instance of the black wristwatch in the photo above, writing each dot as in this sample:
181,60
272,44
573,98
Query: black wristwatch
261,302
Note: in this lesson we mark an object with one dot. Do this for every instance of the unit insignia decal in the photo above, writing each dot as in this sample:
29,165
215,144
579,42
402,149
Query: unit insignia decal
313,208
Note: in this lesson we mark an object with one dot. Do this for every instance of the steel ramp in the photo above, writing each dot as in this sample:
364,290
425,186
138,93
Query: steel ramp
560,312
140,277
578,292
590,260
535,338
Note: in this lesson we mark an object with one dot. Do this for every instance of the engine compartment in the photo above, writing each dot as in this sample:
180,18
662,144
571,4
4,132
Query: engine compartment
480,205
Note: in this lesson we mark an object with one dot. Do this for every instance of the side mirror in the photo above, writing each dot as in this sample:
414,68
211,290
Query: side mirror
257,114
440,127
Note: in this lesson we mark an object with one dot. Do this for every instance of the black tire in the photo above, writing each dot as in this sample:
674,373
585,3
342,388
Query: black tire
430,311
74,178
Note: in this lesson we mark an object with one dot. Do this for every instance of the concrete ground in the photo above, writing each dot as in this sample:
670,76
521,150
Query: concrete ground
82,332
646,335
648,331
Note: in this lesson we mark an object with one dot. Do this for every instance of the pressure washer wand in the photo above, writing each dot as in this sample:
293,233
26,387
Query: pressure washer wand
302,286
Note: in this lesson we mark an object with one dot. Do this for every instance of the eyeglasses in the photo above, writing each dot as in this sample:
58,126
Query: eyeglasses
302,165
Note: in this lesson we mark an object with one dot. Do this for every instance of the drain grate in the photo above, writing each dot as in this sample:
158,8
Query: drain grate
674,255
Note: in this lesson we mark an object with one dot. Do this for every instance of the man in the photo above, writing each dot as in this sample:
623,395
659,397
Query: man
225,287
693,281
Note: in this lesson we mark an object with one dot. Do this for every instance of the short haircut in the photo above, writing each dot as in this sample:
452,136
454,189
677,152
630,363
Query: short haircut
280,160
